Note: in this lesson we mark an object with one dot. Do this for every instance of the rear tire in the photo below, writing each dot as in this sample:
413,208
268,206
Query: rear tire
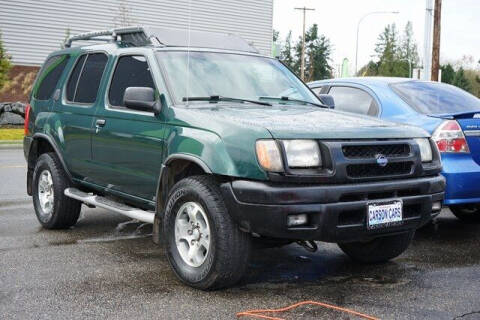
54,210
204,245
467,212
378,250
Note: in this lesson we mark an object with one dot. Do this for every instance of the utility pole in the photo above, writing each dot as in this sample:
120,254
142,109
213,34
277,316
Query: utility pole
427,47
437,19
302,59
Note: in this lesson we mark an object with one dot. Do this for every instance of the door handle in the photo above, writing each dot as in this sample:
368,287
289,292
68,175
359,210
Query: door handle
98,124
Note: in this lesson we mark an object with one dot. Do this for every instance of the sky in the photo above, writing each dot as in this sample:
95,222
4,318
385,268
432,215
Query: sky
338,20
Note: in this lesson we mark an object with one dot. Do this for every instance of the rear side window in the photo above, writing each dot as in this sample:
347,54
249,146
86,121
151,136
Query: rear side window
131,71
49,76
353,100
72,82
82,87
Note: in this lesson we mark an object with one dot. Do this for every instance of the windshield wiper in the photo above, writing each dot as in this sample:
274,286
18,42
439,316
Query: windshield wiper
294,100
220,98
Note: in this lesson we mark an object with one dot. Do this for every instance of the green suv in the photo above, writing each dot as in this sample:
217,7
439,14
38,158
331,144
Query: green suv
220,148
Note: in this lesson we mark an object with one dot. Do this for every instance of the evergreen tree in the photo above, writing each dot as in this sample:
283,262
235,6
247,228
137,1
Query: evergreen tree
286,53
275,35
388,53
5,65
317,55
448,74
368,70
461,81
408,50
396,56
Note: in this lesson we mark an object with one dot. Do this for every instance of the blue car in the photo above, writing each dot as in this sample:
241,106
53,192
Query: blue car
450,114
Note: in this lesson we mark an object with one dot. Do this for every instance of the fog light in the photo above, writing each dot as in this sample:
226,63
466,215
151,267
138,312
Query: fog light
437,206
297,219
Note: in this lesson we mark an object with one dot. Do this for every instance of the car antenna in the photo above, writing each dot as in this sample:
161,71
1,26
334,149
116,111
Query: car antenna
188,48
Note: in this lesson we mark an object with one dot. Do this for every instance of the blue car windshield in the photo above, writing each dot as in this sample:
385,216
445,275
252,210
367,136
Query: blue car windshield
204,74
436,98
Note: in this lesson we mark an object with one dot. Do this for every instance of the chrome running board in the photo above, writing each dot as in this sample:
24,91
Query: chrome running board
102,202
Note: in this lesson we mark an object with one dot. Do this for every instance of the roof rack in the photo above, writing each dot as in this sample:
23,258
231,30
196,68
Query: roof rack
141,36
113,33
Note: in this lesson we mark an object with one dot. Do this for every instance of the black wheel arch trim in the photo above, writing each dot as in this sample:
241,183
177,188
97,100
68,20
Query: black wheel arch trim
162,188
164,171
52,143
188,157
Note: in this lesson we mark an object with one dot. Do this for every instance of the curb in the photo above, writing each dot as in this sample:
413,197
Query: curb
10,146
15,202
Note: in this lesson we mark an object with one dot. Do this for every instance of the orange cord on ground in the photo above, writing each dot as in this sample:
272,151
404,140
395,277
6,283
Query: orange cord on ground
258,313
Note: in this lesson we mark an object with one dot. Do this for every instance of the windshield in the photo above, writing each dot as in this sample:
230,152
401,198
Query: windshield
231,75
436,98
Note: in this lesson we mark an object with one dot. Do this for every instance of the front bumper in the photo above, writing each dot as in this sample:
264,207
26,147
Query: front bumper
336,213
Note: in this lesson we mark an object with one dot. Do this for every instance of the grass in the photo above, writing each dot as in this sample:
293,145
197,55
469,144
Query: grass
11,134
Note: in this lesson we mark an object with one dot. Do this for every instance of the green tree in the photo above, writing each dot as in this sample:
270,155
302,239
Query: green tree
396,56
448,73
461,81
275,35
368,70
388,53
5,64
473,77
317,55
286,53
408,51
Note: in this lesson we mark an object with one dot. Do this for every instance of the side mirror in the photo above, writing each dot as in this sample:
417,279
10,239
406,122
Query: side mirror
141,98
327,100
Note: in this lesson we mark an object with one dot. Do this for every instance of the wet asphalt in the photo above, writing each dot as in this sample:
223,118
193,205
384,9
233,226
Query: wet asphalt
107,267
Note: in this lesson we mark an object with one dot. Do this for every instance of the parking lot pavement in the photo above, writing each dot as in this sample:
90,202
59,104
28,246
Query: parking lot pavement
108,268
13,170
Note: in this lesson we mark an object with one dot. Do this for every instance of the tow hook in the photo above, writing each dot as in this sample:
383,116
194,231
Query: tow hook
309,245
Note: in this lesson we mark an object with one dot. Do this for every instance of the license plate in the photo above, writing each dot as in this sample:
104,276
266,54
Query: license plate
381,215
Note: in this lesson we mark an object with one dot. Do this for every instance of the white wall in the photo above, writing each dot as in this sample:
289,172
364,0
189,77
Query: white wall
31,29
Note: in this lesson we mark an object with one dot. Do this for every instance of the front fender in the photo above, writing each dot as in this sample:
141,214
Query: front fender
216,155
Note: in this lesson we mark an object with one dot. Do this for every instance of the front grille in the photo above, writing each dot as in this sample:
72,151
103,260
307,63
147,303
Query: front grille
373,170
371,151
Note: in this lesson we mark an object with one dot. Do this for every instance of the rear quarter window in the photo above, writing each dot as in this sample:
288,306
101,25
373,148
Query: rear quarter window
48,77
84,81
354,100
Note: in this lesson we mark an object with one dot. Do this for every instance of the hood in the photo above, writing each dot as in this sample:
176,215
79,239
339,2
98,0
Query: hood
299,121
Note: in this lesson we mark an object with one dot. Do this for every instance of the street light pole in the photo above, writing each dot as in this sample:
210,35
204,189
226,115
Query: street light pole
302,61
358,31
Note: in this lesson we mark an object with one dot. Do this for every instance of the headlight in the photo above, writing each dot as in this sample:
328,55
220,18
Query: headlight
425,149
269,156
302,153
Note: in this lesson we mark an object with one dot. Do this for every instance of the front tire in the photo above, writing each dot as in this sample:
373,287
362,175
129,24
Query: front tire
467,213
204,245
54,210
378,250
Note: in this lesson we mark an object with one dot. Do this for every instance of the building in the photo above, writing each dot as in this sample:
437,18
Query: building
32,29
